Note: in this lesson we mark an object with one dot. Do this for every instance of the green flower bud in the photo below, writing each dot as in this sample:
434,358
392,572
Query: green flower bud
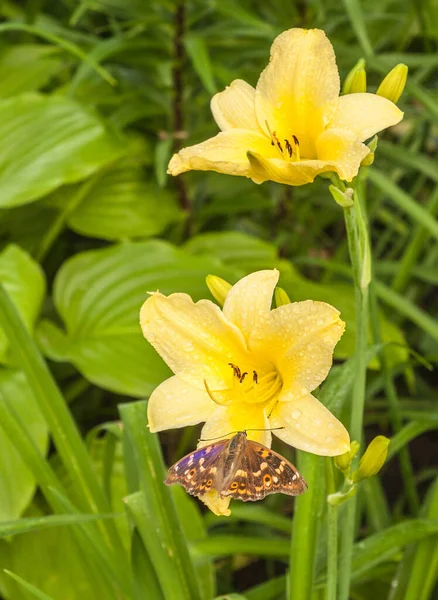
346,88
359,81
281,297
394,83
368,160
218,287
343,461
344,199
373,459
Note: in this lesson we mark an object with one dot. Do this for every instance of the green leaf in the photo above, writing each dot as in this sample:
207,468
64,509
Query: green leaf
46,142
20,526
35,592
24,281
98,295
49,559
122,204
384,544
16,480
27,67
238,250
153,510
198,53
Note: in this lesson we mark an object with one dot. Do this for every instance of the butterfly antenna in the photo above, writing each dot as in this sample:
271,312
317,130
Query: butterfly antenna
234,433
268,429
218,438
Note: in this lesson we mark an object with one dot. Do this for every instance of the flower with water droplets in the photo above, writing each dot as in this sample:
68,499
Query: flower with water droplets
294,125
245,367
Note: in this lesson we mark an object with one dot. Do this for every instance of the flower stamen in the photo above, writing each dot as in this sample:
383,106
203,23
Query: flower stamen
296,147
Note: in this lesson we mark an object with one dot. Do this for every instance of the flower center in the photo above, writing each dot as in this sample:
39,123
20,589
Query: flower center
260,386
289,149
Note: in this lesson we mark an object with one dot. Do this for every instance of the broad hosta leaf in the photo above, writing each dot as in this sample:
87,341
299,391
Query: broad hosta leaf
239,250
27,67
249,254
24,281
46,142
122,204
98,294
16,482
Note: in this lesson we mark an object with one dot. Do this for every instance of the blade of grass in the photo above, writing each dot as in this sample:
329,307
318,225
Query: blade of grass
160,529
408,433
144,579
24,525
355,15
68,46
28,586
305,525
87,535
228,545
413,251
394,408
424,571
404,201
63,429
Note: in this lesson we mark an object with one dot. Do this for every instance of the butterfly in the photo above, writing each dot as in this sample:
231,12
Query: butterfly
236,467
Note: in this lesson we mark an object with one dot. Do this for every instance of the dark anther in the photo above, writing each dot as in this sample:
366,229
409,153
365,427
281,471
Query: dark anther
289,148
277,141
296,140
255,377
236,370
243,376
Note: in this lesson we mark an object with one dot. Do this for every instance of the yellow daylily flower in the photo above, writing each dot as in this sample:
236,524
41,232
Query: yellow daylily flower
293,125
245,367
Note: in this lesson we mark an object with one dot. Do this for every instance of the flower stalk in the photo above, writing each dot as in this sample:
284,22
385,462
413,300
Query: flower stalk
360,257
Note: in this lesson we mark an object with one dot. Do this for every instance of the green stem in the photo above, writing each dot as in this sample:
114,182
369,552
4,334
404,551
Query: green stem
357,235
332,535
305,529
63,429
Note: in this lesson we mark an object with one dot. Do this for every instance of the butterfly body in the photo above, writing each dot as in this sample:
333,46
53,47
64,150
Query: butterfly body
238,468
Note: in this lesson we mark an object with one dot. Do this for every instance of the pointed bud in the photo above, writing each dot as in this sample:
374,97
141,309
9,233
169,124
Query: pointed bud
368,160
346,88
359,82
343,461
218,287
394,83
344,199
373,459
281,297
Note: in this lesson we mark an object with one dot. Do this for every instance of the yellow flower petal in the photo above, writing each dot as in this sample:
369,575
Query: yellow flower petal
309,426
224,153
234,108
299,339
298,91
219,506
228,420
175,403
250,299
195,340
342,148
365,115
289,173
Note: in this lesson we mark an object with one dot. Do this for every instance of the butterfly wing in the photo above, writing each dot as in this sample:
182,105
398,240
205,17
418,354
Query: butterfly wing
197,471
261,471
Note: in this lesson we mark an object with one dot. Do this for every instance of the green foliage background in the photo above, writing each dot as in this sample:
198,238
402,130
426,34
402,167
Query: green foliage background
95,96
